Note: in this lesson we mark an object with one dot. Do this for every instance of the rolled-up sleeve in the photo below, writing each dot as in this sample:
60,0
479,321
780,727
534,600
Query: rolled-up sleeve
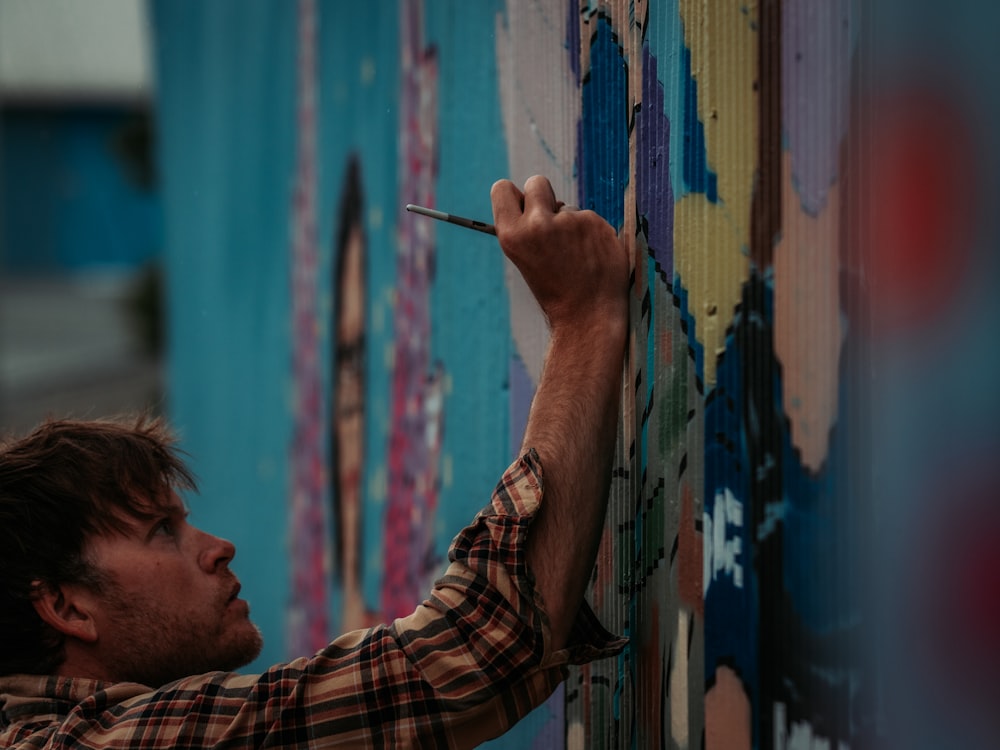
475,656
491,662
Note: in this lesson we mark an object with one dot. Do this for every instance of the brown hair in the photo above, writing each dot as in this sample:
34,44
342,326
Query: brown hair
61,484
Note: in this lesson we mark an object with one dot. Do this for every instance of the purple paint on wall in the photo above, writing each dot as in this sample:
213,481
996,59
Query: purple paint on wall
815,70
417,383
654,194
573,39
308,622
551,733
522,390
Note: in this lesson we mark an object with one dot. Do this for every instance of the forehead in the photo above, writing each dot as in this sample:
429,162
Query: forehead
142,509
167,501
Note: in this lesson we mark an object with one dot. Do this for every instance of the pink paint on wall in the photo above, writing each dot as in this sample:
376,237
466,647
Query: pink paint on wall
417,383
307,618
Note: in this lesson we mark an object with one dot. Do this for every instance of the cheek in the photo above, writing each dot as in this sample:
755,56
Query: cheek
170,584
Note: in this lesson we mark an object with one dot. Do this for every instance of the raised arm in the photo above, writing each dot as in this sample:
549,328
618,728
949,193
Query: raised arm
577,269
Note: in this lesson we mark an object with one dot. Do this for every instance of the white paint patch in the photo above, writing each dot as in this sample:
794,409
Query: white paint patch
798,736
723,543
575,736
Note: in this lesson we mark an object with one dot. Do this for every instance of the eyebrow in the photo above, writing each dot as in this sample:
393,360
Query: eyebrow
157,511
164,512
173,510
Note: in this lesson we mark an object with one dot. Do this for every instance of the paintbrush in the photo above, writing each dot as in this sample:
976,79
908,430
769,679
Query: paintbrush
461,221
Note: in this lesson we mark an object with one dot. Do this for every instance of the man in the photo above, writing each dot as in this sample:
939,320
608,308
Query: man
119,621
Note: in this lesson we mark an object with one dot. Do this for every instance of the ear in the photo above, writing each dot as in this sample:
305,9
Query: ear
67,608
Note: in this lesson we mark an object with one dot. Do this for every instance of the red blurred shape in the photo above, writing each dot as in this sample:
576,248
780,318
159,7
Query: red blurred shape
922,177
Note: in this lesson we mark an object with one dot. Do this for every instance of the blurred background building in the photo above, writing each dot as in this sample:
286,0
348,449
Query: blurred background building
80,220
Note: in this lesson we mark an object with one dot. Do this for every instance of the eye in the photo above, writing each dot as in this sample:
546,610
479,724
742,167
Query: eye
167,526
170,525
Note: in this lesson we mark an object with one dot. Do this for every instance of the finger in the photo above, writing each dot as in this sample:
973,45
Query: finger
539,195
508,202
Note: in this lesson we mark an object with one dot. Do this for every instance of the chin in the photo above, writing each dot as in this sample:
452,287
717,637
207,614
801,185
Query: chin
243,644
251,641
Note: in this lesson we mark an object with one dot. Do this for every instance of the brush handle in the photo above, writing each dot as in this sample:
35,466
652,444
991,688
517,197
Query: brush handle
461,221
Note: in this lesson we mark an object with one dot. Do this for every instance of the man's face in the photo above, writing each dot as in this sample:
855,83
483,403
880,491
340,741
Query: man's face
169,608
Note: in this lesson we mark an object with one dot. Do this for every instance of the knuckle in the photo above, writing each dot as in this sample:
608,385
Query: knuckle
537,224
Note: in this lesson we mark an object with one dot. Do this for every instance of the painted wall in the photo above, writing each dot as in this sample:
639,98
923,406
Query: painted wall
804,466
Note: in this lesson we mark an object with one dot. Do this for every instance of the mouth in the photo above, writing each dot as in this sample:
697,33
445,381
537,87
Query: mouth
235,593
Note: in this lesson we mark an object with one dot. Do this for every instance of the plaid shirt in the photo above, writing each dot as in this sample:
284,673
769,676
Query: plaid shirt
463,668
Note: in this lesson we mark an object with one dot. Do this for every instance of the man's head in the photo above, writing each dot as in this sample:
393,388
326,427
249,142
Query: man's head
100,573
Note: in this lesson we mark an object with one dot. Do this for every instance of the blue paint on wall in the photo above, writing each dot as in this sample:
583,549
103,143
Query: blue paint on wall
605,164
698,177
469,297
226,88
689,169
731,616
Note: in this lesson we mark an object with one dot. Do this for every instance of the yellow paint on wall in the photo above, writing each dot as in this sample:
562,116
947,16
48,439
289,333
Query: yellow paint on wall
808,333
711,259
711,241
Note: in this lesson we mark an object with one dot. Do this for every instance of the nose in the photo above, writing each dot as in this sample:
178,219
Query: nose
215,553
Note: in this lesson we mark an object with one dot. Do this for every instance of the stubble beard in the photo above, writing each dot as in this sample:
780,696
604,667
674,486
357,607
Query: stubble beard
153,647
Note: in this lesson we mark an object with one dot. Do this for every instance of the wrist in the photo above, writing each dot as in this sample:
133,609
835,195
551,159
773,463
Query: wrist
596,323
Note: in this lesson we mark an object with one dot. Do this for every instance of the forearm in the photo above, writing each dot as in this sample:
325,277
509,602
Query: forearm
577,269
572,427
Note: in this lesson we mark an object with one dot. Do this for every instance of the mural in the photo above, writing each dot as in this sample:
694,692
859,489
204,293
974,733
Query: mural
686,157
417,396
308,622
809,402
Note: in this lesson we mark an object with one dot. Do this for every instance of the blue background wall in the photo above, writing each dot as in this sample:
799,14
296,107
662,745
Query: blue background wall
70,201
227,87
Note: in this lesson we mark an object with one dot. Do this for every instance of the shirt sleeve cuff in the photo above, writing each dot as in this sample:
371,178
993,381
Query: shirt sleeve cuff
496,539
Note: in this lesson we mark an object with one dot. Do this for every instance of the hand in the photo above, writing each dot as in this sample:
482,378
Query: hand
571,260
